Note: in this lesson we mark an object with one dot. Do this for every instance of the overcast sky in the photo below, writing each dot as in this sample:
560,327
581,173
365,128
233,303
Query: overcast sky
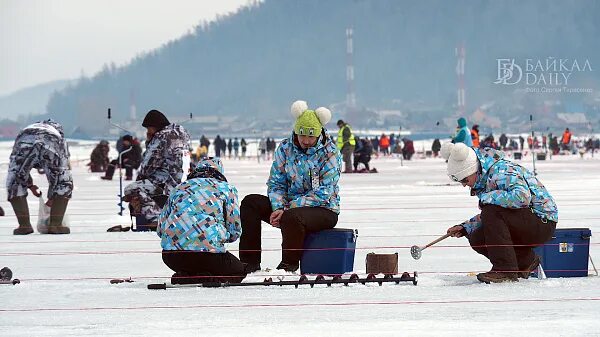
45,40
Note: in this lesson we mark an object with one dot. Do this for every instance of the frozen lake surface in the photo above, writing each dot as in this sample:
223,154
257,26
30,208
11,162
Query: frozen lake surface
65,288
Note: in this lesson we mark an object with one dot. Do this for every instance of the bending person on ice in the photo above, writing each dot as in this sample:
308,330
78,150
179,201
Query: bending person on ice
517,212
201,215
40,145
164,164
303,192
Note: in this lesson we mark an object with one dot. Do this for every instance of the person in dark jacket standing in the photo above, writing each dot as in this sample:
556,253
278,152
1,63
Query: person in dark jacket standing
166,160
200,217
303,192
244,146
517,212
41,145
435,147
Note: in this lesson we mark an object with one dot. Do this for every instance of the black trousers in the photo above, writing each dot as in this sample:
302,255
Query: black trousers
508,236
223,267
110,171
362,158
294,225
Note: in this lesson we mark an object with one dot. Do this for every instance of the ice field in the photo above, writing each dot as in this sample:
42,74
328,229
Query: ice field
65,288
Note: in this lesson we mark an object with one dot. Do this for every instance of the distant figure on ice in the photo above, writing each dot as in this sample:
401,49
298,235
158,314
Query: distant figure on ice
517,212
362,155
566,140
131,159
463,134
384,144
217,145
475,135
262,149
236,148
522,142
346,144
408,149
99,157
229,148
303,192
244,146
164,164
435,147
201,215
40,145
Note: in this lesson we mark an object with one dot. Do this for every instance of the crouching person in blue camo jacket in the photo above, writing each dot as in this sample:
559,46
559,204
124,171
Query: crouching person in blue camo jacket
40,145
201,215
517,212
303,192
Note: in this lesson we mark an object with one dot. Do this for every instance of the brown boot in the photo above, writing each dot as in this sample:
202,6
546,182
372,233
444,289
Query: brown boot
57,213
497,277
525,272
19,205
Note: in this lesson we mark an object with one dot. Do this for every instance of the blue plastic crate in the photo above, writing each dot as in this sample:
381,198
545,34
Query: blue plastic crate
329,252
567,253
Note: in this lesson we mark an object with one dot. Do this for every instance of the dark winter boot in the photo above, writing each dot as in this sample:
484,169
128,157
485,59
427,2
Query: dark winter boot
19,205
57,213
497,277
289,267
251,267
525,272
110,171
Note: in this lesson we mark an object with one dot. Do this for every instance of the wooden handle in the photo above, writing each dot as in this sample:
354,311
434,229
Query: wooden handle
437,240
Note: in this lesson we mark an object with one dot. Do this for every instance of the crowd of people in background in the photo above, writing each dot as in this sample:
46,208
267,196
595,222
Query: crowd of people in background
547,143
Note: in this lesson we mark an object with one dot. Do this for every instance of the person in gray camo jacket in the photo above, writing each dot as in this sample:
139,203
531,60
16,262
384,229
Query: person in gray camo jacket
41,145
165,163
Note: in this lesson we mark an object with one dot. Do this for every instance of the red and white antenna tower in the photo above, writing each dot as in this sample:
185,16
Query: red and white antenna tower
460,72
350,97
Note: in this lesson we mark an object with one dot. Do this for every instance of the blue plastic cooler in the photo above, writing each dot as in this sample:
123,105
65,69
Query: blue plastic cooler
329,252
567,253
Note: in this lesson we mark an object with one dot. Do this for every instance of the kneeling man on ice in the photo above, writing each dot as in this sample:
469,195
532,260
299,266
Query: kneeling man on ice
517,211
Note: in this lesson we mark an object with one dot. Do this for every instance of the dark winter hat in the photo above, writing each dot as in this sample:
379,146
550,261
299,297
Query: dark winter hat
128,138
340,122
156,119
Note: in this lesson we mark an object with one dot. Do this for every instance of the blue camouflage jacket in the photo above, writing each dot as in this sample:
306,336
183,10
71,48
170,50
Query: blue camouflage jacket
308,178
509,185
202,214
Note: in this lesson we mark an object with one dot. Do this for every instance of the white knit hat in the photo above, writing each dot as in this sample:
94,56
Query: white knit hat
462,160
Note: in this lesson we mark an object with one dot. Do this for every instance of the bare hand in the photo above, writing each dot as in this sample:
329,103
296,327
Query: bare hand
275,218
35,190
456,231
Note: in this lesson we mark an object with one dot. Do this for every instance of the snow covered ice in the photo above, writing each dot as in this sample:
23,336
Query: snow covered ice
65,288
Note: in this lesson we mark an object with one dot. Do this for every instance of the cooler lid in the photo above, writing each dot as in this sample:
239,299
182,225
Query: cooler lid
572,232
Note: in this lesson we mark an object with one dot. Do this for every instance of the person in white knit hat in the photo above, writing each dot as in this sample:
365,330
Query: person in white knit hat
303,192
517,212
